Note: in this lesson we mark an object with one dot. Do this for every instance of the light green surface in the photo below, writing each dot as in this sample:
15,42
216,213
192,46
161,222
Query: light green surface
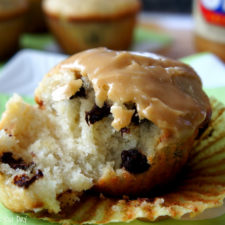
191,58
9,218
219,93
36,41
146,35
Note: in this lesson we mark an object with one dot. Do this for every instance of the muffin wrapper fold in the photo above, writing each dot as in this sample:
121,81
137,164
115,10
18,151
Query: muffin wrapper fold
201,187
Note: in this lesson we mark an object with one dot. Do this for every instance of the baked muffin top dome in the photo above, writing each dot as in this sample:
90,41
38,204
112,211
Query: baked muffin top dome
91,9
164,91
9,8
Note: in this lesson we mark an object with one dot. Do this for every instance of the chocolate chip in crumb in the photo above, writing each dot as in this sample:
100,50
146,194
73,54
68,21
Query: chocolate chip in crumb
40,103
21,180
81,93
25,181
97,114
134,161
6,130
135,118
125,130
19,163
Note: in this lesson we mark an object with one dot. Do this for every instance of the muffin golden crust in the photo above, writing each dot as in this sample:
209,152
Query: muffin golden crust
9,9
121,123
175,102
91,9
79,25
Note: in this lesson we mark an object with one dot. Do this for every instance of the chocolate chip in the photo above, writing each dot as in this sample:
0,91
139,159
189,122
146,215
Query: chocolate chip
25,181
135,118
125,130
40,103
21,180
81,93
19,163
97,114
134,161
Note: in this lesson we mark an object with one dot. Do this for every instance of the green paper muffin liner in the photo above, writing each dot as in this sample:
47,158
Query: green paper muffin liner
200,186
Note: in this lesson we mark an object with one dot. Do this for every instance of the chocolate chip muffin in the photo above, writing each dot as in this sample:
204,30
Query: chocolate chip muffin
120,123
79,25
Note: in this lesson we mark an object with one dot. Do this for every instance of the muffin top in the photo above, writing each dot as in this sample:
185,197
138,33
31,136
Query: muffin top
167,92
91,9
12,8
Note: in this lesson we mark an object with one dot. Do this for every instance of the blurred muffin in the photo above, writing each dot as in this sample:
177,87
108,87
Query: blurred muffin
35,18
119,122
79,25
12,22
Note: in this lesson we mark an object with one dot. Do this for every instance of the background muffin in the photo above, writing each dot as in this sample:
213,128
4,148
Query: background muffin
118,122
79,25
12,22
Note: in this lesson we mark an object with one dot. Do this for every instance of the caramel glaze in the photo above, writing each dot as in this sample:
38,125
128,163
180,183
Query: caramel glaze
166,92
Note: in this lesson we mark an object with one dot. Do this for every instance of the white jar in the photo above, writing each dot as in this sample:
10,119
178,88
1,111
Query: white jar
209,16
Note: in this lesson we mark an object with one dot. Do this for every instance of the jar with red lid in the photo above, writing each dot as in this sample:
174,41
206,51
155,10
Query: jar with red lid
209,16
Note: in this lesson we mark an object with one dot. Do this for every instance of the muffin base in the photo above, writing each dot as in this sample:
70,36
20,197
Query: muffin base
10,31
202,44
74,36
